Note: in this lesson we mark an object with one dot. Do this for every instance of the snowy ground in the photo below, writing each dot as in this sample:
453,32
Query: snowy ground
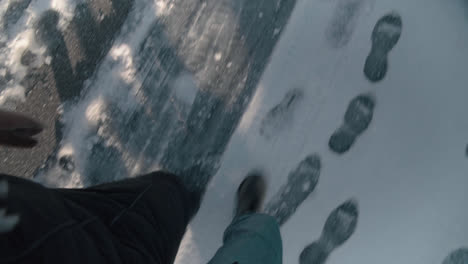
406,171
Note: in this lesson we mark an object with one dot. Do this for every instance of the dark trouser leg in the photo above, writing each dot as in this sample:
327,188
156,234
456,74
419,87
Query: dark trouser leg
251,239
138,220
149,213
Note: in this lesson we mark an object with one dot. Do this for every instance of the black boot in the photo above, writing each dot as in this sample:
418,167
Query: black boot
250,194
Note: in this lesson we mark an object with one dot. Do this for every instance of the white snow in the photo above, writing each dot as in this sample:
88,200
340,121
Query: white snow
11,95
162,7
66,9
218,56
123,54
188,249
94,111
115,82
407,171
66,150
20,37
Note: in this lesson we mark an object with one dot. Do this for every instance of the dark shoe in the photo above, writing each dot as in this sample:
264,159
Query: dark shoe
250,194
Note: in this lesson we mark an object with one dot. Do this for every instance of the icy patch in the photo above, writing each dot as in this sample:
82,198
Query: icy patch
218,56
185,88
95,112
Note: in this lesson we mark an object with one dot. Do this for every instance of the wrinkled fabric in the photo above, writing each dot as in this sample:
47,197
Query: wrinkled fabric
139,220
251,239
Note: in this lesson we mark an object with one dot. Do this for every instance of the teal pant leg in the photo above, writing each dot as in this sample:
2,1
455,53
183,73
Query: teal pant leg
251,239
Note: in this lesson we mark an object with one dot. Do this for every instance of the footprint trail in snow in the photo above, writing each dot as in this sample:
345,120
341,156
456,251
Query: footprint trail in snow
301,182
280,116
343,22
385,36
357,119
338,228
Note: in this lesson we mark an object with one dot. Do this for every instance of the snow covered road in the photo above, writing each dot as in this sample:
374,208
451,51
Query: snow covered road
214,89
407,171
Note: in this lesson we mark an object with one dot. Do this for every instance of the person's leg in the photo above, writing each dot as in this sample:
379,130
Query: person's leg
152,183
154,211
139,220
251,237
51,229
